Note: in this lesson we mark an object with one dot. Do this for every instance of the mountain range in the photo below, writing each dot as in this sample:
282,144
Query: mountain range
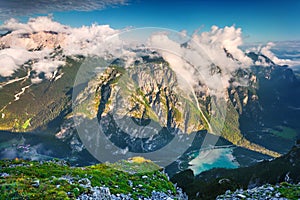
60,98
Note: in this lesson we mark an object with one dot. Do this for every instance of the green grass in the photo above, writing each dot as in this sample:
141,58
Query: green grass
41,102
52,184
135,166
285,132
26,124
289,191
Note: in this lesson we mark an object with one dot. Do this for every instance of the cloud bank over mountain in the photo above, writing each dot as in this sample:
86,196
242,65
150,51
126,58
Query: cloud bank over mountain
37,39
287,52
15,8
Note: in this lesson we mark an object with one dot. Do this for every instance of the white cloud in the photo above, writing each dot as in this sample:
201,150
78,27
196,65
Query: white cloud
281,53
173,53
266,50
229,38
36,80
194,60
191,61
12,58
33,25
290,46
47,66
15,8
7,65
92,40
48,34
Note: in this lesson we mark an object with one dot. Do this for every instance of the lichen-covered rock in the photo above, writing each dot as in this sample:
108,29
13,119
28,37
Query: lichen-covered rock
282,191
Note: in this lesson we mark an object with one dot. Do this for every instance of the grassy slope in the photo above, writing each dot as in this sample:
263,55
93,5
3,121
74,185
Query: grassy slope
39,104
23,175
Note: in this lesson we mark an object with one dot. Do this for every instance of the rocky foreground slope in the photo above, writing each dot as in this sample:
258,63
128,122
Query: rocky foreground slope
133,179
281,191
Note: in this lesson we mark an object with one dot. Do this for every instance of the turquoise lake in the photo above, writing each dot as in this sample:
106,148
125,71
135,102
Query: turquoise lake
215,158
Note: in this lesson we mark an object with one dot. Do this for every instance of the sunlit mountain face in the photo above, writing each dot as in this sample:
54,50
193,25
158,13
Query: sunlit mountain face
202,106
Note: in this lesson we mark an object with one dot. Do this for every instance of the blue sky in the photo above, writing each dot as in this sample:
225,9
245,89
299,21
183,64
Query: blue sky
260,20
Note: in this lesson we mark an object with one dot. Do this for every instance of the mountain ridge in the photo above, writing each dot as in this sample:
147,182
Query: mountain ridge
39,99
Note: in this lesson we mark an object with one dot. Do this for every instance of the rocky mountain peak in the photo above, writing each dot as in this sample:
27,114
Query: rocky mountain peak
33,41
